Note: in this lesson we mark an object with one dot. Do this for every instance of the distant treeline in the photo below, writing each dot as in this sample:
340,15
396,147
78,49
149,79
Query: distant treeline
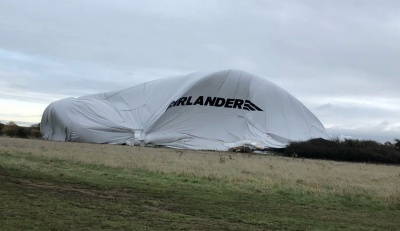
348,150
366,151
13,130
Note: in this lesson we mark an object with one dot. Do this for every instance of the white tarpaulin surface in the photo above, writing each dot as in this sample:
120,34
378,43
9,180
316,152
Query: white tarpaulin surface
213,111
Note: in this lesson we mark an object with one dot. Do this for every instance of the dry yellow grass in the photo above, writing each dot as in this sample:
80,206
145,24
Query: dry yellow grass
259,172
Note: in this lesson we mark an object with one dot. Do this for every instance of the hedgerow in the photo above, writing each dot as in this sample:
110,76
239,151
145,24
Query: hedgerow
11,129
347,150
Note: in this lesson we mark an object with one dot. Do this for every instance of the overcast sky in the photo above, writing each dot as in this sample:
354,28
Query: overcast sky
340,58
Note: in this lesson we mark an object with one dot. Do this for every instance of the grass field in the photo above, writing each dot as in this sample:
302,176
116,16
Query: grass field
69,186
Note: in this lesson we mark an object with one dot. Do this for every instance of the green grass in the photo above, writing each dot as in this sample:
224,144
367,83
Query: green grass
41,193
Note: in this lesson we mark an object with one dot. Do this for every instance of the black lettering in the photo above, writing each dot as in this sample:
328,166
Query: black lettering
188,101
252,105
220,102
210,101
238,103
199,101
181,101
171,104
229,103
216,102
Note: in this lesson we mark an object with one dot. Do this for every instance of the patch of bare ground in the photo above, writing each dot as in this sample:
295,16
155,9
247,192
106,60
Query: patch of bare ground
108,194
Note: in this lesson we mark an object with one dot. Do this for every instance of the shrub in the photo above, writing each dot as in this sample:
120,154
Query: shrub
1,128
10,129
347,150
13,130
397,144
23,132
35,131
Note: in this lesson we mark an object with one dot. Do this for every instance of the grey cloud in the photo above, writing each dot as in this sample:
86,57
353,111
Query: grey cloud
41,81
289,35
365,134
364,121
